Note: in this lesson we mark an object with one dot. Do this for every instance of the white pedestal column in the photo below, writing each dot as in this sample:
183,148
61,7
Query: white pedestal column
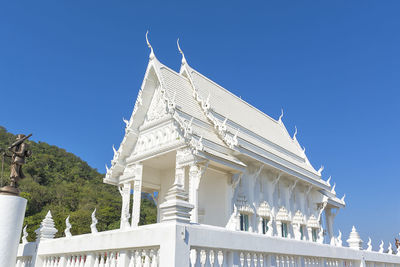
12,212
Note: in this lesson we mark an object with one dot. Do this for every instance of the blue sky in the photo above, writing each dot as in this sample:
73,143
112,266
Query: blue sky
70,70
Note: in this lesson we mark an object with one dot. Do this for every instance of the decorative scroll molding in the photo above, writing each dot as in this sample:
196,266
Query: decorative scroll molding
68,227
156,139
94,222
25,235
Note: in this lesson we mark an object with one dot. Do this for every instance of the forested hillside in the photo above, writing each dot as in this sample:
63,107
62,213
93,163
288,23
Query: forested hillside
59,181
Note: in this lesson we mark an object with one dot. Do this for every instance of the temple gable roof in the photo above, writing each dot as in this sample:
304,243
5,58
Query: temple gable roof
222,124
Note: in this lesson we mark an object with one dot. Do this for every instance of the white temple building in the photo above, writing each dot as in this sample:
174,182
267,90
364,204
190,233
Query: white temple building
239,167
232,188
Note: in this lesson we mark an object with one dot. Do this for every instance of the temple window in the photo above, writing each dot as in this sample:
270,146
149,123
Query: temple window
301,232
244,222
284,228
264,225
314,234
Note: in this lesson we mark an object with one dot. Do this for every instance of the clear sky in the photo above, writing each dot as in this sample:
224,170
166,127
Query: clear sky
70,71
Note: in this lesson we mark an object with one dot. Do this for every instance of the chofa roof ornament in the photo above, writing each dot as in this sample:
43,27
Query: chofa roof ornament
281,116
180,51
151,56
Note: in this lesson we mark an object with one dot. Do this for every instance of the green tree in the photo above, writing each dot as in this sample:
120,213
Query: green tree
59,181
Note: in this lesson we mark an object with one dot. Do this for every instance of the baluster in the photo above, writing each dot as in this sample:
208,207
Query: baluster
131,258
298,261
277,261
248,259
108,260
220,258
288,261
153,255
193,257
82,261
255,260
112,262
138,258
211,257
146,258
241,259
102,260
96,260
75,262
261,259
203,257
68,259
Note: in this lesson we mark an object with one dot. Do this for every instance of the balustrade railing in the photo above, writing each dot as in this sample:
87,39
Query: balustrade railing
178,244
206,257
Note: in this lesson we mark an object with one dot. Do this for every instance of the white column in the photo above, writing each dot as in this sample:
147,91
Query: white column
126,199
137,192
12,218
194,182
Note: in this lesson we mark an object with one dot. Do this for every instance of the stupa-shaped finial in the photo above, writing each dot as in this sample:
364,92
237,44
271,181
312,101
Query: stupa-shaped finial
151,56
180,51
46,229
354,240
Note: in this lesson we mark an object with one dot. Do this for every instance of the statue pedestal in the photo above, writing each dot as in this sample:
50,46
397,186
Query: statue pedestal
12,212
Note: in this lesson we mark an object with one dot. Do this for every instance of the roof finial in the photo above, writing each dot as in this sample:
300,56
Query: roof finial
320,169
295,133
149,45
180,51
281,116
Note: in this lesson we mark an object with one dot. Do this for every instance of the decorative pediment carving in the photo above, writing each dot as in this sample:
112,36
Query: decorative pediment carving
313,222
243,206
264,210
157,109
156,138
298,218
282,215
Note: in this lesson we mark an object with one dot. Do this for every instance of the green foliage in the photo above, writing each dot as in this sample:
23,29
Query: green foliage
63,183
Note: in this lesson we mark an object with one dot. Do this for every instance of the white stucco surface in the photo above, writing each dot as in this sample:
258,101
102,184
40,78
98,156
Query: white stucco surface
12,211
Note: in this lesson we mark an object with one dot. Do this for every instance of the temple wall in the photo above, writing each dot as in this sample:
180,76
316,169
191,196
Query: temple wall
212,195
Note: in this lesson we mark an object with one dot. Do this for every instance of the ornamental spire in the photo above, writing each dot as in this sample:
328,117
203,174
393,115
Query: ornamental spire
180,51
151,56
